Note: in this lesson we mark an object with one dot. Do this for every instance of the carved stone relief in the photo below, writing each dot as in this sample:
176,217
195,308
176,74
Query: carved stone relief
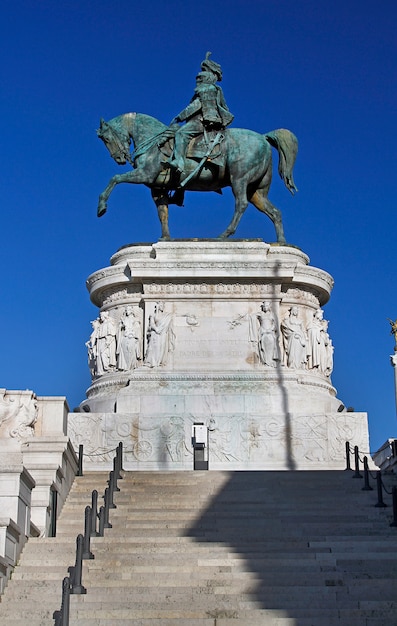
160,336
17,417
129,341
294,340
263,333
320,348
301,295
114,346
249,289
222,440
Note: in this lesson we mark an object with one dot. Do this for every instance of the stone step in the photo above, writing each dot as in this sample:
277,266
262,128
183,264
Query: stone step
251,506
218,548
264,618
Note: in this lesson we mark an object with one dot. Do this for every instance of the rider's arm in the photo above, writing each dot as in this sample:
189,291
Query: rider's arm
190,110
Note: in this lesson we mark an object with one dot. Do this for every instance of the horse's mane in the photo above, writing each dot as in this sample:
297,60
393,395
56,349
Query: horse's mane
151,123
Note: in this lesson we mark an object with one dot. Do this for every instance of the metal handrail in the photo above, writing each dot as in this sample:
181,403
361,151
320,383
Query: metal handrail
380,486
72,584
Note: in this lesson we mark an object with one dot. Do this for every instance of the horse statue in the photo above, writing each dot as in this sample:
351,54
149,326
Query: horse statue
246,166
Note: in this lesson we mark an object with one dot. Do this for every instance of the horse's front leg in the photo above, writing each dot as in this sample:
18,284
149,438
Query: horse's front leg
161,199
103,198
134,176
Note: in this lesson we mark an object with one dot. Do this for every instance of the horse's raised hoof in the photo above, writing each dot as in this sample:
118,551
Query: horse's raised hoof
102,208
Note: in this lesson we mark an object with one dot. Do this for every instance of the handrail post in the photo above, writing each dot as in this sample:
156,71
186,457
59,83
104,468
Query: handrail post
109,493
62,617
94,513
101,530
380,503
76,571
347,447
65,607
112,482
394,494
120,453
116,473
87,554
106,509
54,512
80,465
367,486
356,463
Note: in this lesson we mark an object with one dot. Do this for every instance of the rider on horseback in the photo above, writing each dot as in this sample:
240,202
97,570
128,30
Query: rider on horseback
207,111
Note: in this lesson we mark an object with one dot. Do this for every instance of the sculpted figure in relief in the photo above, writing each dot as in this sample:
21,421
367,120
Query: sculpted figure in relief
129,339
105,345
329,351
161,337
17,418
316,336
295,340
320,352
264,332
221,441
92,348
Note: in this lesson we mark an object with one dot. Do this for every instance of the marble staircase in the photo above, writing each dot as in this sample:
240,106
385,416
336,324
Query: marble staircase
218,549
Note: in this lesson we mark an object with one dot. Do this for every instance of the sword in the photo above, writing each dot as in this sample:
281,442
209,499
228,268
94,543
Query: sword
217,140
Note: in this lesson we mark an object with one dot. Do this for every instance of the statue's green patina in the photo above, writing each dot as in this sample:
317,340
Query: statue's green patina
202,155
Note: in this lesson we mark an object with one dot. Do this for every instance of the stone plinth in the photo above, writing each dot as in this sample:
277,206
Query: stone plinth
225,333
33,430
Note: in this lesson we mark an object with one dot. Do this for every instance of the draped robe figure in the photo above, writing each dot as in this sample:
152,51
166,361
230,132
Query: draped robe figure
105,343
294,340
264,333
128,341
320,350
316,337
160,337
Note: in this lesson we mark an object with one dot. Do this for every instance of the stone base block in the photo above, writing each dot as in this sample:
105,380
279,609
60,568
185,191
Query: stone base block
230,334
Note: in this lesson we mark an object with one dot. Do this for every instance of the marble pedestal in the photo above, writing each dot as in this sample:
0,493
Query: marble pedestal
198,345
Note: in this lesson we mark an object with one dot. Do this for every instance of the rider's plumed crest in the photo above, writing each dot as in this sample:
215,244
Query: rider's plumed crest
211,66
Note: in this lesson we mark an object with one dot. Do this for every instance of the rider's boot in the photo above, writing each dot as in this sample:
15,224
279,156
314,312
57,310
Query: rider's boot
177,197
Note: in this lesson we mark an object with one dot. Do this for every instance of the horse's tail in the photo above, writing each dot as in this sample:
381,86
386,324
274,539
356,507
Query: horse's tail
287,146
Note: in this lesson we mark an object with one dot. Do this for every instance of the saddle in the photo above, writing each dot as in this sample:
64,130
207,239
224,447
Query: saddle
198,147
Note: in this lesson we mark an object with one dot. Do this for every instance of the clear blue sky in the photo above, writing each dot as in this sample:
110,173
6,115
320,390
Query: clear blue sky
326,71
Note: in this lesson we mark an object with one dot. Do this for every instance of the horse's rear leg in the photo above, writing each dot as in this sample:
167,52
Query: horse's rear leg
161,199
241,203
262,203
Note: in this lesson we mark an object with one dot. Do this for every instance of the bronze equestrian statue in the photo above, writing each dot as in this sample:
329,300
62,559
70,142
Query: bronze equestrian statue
202,155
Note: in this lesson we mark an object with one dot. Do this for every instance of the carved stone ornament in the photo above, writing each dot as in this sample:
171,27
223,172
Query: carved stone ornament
295,340
161,337
320,348
263,330
114,347
18,416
